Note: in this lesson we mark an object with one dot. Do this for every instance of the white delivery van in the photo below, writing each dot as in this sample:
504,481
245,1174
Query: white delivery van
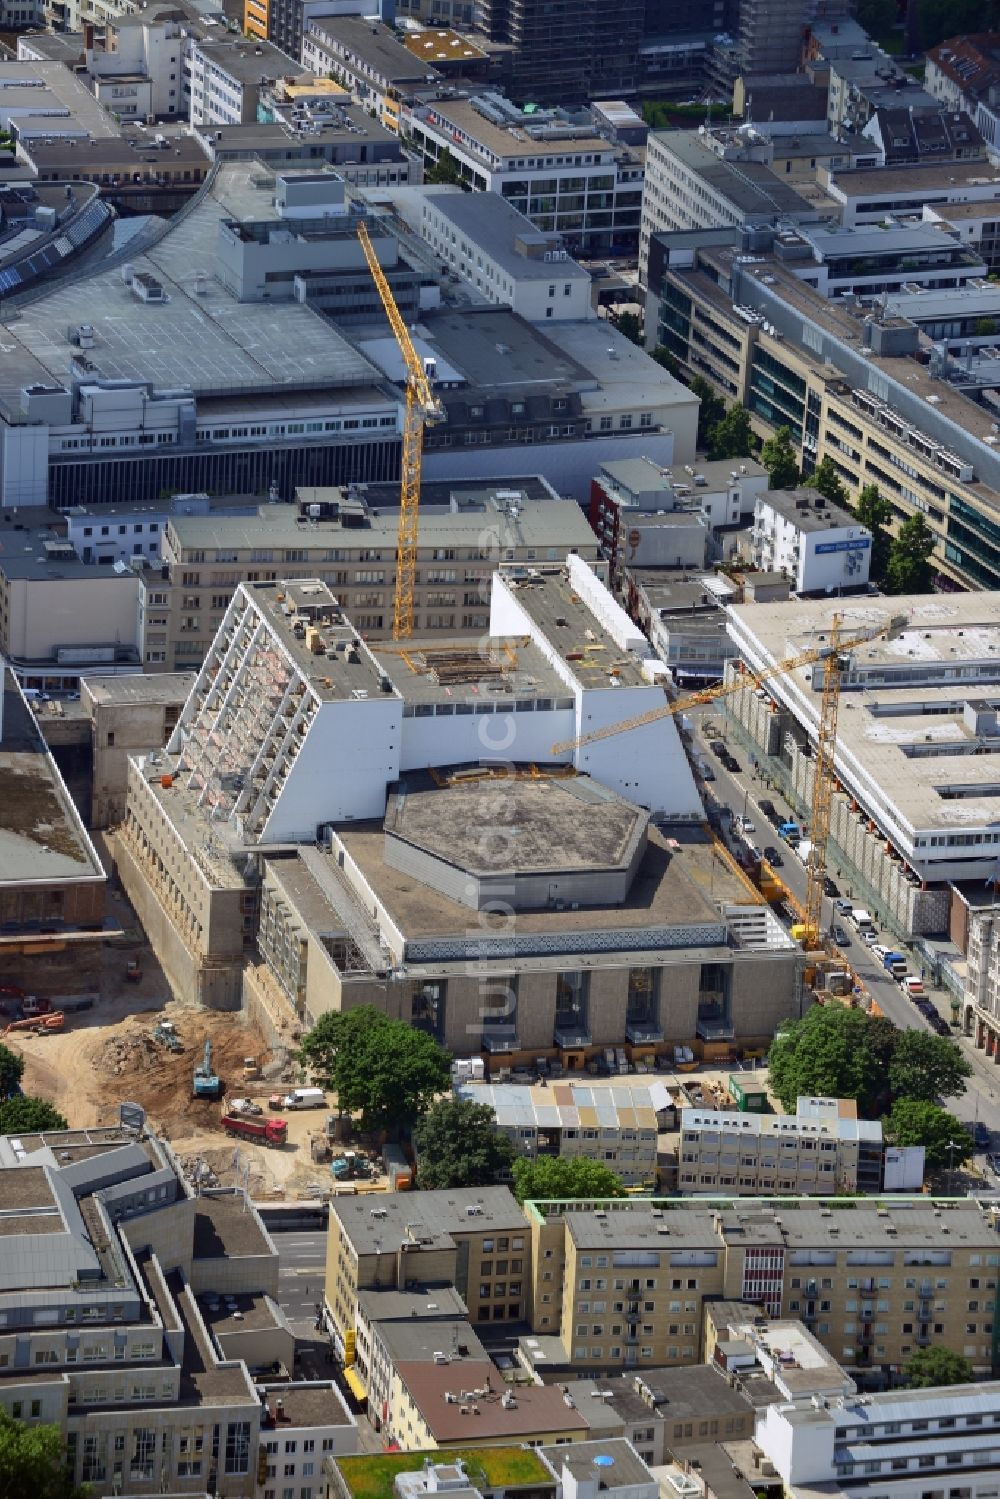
863,921
305,1098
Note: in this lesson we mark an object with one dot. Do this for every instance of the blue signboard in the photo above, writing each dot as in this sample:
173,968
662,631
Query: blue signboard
861,545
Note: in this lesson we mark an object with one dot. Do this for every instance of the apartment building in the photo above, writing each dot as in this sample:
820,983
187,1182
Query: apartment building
616,1125
114,1329
349,540
476,1241
440,1406
892,1443
843,378
423,1324
367,58
823,1147
872,1280
564,176
662,1411
818,546
224,79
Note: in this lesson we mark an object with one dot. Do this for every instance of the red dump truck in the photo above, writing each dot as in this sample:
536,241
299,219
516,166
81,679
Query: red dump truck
264,1131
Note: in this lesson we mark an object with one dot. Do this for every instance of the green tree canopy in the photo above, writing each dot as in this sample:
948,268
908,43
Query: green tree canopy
552,1177
459,1145
874,511
24,1114
929,1367
831,486
666,360
33,1462
385,1070
832,1052
945,1139
711,410
732,436
778,457
927,1067
11,1070
909,569
630,324
445,171
878,17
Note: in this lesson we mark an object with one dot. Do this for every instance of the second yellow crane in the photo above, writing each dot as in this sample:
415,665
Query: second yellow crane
831,654
422,407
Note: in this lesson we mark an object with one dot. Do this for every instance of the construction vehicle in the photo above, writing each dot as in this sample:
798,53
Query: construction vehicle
166,1034
351,1167
243,1106
133,971
831,655
43,1024
422,407
205,1082
271,1132
251,1069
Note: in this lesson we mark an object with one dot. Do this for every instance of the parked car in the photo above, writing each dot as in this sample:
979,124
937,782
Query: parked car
913,986
718,748
768,809
829,888
840,936
732,764
773,855
746,824
939,1024
844,907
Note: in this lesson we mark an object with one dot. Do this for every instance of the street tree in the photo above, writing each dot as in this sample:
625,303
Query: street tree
33,1462
927,1067
459,1145
909,569
832,1052
930,1367
732,436
630,324
554,1177
24,1115
11,1071
831,486
385,1070
778,457
711,410
875,513
946,1141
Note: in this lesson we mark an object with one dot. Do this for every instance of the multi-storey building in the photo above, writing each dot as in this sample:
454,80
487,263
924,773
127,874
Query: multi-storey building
894,1443
113,1329
822,1147
476,1241
370,60
845,381
349,541
563,175
962,73
872,1280
818,546
224,79
568,52
128,714
617,1126
893,820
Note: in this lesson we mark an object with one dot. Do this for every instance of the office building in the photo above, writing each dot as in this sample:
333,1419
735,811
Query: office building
893,823
370,61
114,1329
872,1281
818,546
174,384
127,715
684,616
349,540
225,78
564,176
130,171
568,52
690,185
895,1442
426,1324
847,380
495,248
615,1125
304,125
822,1148
869,195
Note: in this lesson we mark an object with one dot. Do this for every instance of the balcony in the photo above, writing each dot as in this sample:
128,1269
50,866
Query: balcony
571,1034
642,1032
498,1039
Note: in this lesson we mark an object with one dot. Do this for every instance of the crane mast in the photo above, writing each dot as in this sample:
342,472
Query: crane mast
422,407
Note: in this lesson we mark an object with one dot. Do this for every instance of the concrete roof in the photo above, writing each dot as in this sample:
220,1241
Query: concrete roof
223,1229
248,61
865,182
807,509
166,687
621,1468
304,1405
535,1409
441,1215
428,1303
418,1340
494,224
750,186
462,115
375,45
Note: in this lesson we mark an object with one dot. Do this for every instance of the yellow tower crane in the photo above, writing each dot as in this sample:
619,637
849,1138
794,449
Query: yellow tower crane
422,407
831,653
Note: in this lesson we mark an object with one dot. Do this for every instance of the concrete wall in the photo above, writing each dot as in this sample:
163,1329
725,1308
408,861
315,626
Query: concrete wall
44,613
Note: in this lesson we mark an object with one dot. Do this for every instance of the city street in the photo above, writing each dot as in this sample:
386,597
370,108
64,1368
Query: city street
742,794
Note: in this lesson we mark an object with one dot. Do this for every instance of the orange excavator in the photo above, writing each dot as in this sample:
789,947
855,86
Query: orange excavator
53,1022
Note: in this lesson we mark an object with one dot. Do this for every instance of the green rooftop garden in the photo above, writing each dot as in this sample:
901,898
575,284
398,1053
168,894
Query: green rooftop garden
488,1467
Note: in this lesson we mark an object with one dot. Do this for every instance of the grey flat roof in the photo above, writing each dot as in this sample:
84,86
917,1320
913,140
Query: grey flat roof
249,61
375,45
418,1340
205,341
491,222
141,687
750,186
865,182
498,140
806,508
901,239
430,1303
439,1214
624,1467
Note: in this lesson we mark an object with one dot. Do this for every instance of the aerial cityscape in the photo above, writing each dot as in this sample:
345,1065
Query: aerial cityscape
499,683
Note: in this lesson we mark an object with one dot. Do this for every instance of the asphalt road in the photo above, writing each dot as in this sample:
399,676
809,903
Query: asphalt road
742,793
301,1274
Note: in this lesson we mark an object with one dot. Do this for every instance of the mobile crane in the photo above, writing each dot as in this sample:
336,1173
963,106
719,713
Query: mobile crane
831,655
422,407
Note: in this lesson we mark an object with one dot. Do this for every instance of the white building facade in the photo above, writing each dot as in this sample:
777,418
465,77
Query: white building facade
818,546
